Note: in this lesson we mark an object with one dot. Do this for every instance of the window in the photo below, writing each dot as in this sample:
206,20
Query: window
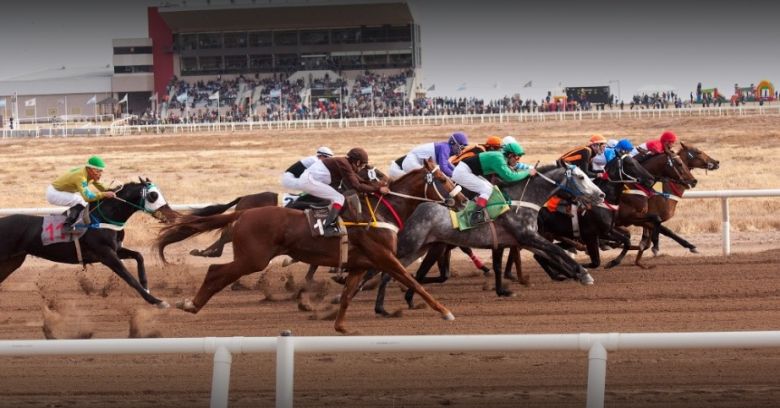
235,62
401,60
286,38
189,42
260,39
209,41
348,61
210,64
235,40
314,37
373,34
399,33
132,50
375,61
261,62
287,61
189,64
346,36
131,69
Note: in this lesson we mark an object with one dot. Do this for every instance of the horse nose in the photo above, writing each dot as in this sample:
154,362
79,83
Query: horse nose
694,182
715,165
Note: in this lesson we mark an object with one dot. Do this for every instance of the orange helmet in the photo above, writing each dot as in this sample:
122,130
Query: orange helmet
596,139
668,137
493,141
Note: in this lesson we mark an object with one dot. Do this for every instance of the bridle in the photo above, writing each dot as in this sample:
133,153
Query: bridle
430,180
140,206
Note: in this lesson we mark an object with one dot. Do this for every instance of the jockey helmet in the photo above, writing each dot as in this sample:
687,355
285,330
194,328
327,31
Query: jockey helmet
624,145
668,137
459,138
612,143
493,141
324,151
597,139
514,148
96,162
507,140
357,154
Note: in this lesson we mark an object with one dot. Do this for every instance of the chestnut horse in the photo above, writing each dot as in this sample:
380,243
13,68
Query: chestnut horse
260,234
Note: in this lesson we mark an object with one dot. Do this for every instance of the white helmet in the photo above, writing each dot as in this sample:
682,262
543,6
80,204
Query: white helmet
324,151
507,140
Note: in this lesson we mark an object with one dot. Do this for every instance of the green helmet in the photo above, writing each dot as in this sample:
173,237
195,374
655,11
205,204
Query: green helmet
514,148
96,163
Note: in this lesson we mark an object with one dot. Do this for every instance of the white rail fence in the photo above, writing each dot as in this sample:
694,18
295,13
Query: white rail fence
285,346
723,195
454,120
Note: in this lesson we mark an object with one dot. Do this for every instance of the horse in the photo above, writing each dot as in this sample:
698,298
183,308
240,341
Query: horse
634,203
260,234
664,205
431,223
20,235
596,222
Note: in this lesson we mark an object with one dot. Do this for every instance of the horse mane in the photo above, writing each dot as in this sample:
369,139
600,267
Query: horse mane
547,167
399,180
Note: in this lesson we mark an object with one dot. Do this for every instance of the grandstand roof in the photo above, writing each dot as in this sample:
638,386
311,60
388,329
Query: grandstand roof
289,15
60,80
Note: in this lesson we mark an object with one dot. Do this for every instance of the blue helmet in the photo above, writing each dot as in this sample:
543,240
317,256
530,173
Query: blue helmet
624,145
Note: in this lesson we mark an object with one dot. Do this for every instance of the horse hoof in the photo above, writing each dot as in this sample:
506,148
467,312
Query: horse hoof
163,305
585,278
505,293
611,265
186,305
655,251
448,316
287,262
693,250
512,278
195,252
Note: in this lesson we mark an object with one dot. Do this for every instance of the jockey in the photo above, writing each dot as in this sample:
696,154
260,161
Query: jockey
441,151
291,176
656,146
492,143
511,139
320,176
582,156
72,189
622,148
471,172
600,160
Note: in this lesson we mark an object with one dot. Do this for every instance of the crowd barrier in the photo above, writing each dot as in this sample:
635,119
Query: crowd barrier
723,195
285,346
449,120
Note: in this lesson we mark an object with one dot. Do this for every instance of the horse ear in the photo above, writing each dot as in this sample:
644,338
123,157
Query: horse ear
141,179
683,146
147,180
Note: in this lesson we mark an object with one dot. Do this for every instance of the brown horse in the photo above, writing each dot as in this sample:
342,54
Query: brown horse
665,205
634,204
260,234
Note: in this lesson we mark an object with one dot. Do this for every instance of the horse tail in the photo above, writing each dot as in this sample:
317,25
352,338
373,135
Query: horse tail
190,226
215,209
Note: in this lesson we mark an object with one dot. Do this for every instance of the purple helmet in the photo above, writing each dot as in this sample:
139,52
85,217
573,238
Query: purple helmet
459,138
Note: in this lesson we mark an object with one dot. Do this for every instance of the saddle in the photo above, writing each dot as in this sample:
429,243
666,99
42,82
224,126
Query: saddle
496,206
316,217
53,233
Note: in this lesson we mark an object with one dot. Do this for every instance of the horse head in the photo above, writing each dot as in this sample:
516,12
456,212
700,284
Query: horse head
578,185
670,166
147,197
566,180
429,183
697,159
626,169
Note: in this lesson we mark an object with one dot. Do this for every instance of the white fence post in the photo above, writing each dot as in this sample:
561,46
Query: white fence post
285,369
220,381
597,375
724,205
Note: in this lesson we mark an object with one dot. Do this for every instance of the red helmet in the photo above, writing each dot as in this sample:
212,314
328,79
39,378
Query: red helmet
668,137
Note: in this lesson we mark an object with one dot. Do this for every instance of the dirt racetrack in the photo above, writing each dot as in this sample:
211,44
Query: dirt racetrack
684,292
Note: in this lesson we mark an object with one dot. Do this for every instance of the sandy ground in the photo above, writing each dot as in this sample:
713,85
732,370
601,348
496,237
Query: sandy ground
684,292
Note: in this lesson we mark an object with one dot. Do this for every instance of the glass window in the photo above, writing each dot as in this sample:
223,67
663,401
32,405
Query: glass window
235,62
314,37
261,62
189,42
287,61
348,61
373,34
132,50
260,39
235,40
210,64
346,36
375,61
189,64
209,40
285,38
401,60
399,33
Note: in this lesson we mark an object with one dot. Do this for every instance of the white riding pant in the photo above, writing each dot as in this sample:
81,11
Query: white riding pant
395,171
465,177
411,162
308,184
289,181
63,198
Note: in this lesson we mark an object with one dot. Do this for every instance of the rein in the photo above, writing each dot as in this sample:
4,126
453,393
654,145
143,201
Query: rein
428,180
136,206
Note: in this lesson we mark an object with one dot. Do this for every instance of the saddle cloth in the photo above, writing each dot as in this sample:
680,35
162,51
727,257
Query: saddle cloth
52,232
316,217
496,206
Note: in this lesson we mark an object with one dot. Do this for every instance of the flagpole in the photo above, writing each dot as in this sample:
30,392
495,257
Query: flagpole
16,108
66,115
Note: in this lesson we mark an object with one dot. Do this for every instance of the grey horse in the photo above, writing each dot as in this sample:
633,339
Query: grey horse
431,223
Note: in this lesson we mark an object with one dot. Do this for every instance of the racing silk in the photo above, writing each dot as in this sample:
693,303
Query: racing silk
76,181
652,147
298,168
339,172
609,154
580,157
440,151
489,163
469,151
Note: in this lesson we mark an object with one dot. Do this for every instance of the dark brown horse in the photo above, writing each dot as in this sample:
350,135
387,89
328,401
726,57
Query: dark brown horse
260,234
634,204
665,205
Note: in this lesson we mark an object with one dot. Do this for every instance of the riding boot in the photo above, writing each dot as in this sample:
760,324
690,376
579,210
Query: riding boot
480,212
73,215
333,215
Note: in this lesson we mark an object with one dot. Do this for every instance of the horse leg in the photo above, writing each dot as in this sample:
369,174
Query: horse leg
557,255
124,253
497,254
110,259
439,254
8,266
475,260
349,291
625,240
310,273
671,234
217,278
215,249
644,243
379,305
555,272
386,261
592,247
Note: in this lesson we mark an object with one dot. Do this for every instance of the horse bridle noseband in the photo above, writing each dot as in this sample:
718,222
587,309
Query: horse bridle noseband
431,180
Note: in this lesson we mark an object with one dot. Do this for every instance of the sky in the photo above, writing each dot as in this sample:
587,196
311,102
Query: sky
494,47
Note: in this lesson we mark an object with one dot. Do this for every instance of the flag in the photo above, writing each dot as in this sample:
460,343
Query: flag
92,100
123,100
461,87
29,103
366,90
399,89
432,87
276,93
213,96
182,97
528,84
153,97
2,103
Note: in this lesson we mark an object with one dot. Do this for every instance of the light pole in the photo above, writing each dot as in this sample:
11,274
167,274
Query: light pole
617,81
